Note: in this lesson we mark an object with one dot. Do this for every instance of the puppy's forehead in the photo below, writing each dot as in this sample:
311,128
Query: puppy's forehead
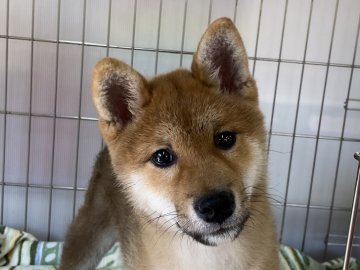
176,84
182,100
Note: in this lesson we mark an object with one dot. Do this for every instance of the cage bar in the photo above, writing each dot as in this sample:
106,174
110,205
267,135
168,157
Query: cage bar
29,117
5,107
54,119
354,212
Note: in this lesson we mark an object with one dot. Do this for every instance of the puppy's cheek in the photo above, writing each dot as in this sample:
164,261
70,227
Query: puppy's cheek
144,198
254,170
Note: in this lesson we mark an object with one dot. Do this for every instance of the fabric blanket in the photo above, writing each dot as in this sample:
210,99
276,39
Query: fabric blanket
22,251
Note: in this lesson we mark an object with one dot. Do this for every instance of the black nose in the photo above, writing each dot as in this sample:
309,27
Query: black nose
215,207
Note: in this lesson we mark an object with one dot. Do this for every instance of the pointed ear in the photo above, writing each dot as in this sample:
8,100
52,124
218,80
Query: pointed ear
118,92
221,61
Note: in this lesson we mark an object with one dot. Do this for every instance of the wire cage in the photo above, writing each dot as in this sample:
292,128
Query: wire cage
304,55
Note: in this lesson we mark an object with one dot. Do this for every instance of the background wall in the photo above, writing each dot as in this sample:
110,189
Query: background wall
304,55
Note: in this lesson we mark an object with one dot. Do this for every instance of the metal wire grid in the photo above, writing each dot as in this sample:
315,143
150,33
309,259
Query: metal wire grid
79,118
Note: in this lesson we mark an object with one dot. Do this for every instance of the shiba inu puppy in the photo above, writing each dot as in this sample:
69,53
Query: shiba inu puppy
182,182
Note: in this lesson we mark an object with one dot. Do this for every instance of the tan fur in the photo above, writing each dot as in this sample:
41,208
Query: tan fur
147,208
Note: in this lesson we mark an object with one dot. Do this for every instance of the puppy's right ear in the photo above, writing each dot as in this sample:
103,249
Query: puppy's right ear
118,91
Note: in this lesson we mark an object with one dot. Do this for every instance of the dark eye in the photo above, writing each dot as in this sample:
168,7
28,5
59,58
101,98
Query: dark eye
163,158
225,140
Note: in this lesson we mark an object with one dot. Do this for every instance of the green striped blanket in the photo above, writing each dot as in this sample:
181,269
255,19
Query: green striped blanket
22,251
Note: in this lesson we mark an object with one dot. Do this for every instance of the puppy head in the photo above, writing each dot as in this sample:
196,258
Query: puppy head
187,147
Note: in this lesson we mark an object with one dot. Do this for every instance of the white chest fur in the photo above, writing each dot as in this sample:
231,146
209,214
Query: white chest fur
183,253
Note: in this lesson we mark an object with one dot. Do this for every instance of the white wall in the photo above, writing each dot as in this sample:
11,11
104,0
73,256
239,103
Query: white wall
44,78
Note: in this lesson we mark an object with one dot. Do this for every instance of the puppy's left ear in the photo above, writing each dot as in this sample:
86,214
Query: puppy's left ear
221,61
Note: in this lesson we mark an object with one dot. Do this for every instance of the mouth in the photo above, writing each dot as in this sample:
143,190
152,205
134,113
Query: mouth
217,233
